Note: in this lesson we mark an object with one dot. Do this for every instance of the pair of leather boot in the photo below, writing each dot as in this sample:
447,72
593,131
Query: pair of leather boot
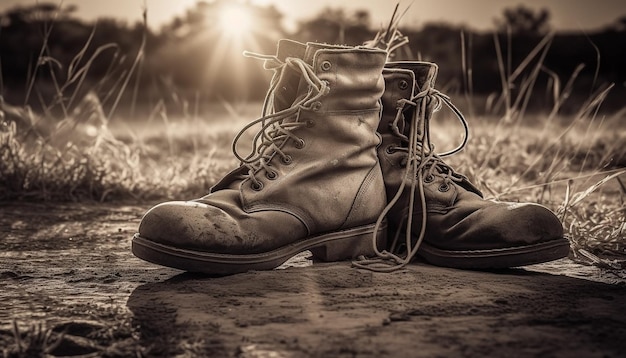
318,178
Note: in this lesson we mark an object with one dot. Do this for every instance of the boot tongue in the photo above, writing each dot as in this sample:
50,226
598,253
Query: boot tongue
287,87
302,87
290,48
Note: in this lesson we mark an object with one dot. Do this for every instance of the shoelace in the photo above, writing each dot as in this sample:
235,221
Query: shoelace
275,131
421,163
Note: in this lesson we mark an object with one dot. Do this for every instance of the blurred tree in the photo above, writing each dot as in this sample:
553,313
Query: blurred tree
46,12
619,25
334,26
437,42
42,46
522,20
198,54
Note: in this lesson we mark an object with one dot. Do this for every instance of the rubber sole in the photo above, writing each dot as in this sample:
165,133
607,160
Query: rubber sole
334,246
497,258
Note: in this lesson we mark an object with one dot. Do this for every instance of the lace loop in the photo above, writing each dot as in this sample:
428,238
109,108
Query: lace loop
270,62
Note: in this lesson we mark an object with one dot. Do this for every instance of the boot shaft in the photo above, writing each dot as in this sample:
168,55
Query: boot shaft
319,161
338,66
338,140
413,82
352,74
403,81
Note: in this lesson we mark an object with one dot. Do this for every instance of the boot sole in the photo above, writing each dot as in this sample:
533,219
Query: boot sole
497,258
335,246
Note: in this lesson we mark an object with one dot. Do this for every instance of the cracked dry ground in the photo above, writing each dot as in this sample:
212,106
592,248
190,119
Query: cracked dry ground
70,286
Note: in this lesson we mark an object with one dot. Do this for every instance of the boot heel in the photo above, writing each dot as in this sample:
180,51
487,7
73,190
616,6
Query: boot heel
351,247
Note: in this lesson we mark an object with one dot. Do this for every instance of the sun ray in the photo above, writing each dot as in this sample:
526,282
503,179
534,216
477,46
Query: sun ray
235,20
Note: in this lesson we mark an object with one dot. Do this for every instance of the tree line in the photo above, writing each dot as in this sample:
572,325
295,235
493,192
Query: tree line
49,56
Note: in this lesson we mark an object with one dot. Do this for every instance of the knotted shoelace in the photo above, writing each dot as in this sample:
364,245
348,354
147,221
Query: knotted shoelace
275,131
421,163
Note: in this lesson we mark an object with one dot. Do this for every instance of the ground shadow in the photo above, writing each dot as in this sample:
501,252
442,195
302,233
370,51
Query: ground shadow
335,310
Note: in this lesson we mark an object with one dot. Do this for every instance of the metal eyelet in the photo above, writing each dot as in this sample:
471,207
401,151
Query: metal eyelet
430,178
390,149
403,84
299,144
271,175
256,186
444,187
310,123
287,159
326,66
316,106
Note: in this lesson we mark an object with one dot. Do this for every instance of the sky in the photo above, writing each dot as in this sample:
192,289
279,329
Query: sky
570,15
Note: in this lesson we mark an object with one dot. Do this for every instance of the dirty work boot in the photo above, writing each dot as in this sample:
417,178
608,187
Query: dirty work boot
312,181
444,217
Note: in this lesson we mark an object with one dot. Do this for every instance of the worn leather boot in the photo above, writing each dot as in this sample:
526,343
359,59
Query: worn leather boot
443,216
312,181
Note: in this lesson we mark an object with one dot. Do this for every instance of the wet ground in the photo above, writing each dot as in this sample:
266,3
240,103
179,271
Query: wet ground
69,286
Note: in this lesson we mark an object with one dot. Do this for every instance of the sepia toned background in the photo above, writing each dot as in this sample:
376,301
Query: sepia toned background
194,49
110,107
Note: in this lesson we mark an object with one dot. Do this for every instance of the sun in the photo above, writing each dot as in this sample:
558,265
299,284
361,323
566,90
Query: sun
235,20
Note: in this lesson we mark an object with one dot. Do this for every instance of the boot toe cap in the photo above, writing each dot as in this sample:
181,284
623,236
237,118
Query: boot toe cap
499,235
495,226
198,226
188,225
527,224
167,223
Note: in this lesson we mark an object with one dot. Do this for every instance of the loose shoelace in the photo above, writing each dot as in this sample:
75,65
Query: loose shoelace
421,163
275,131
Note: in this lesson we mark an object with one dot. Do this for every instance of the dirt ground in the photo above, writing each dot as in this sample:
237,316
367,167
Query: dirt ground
69,286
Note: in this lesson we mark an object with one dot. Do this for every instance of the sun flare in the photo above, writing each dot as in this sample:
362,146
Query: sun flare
235,20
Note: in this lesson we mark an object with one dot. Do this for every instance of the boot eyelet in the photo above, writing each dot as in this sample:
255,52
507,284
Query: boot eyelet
271,175
390,149
310,123
299,144
326,66
403,85
444,187
287,159
256,186
315,106
430,178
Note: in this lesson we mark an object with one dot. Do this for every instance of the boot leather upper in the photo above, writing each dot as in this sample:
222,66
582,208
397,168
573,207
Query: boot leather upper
458,218
331,180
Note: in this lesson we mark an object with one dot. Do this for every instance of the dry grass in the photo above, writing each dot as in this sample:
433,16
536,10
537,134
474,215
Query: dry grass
572,168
